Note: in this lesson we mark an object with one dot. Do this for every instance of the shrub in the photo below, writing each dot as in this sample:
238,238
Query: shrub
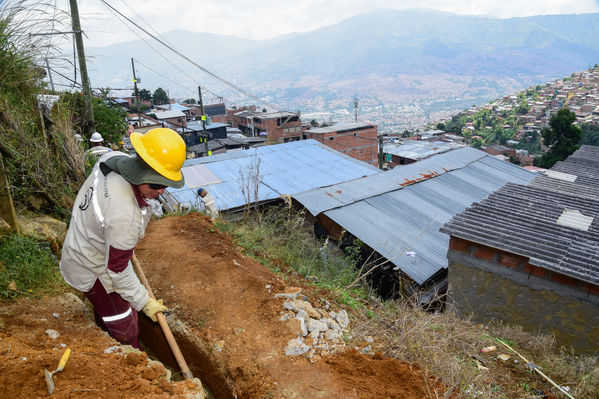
30,264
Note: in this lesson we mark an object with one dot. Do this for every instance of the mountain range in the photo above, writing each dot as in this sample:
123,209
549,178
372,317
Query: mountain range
402,65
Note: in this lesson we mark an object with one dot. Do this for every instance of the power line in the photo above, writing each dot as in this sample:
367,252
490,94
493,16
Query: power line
180,85
204,88
213,75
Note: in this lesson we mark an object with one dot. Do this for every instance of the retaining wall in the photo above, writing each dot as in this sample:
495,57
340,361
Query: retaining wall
493,284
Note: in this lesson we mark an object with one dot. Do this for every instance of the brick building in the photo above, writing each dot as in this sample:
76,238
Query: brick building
172,119
357,140
529,255
277,127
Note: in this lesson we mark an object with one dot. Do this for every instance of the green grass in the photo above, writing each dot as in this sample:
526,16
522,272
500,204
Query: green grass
282,239
31,265
441,343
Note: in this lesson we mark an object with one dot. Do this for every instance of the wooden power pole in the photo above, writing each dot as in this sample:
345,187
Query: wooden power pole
203,118
87,92
135,83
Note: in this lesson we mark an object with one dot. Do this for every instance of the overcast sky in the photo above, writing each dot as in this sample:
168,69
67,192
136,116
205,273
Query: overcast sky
262,19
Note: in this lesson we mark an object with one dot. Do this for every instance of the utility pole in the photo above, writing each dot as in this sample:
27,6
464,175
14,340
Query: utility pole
380,139
49,74
87,92
135,83
203,117
356,109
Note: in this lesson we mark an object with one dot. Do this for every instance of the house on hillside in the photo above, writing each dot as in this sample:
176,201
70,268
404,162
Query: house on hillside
357,140
529,254
278,127
397,214
172,119
414,151
276,170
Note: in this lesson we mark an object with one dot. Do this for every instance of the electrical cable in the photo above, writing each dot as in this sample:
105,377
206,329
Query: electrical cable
204,88
180,85
213,75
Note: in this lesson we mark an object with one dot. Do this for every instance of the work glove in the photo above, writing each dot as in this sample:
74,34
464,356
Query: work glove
152,307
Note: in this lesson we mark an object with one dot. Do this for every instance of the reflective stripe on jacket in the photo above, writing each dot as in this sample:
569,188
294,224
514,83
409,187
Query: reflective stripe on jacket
106,214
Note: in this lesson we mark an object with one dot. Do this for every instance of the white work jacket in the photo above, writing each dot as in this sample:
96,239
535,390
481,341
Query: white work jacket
106,214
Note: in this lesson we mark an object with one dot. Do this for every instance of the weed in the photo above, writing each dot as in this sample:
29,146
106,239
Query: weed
30,264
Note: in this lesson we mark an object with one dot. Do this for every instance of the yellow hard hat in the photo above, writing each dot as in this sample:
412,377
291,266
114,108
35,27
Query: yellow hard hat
163,149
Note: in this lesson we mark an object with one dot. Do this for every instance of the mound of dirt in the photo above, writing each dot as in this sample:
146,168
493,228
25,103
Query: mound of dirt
97,368
230,327
227,322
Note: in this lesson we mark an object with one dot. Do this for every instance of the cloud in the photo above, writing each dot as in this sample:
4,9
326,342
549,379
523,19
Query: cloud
271,18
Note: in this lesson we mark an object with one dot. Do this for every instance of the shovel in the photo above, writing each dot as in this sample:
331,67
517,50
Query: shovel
63,361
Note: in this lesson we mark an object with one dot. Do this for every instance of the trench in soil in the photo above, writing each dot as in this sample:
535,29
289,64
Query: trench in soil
153,342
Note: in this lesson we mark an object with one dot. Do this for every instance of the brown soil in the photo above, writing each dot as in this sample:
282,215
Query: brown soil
226,300
225,319
26,350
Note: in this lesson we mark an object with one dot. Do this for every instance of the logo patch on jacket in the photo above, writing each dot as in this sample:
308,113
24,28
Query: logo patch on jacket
87,199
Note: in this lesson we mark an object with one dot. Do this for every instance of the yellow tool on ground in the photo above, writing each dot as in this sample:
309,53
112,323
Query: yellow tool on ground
63,361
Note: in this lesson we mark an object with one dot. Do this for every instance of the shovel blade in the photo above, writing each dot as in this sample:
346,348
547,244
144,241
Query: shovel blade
49,381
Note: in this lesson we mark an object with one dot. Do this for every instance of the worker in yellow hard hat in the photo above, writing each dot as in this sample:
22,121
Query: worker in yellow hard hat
109,217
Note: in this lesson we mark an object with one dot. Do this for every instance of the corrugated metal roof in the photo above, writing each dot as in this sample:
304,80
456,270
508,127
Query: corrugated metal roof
341,127
420,149
169,114
398,213
285,169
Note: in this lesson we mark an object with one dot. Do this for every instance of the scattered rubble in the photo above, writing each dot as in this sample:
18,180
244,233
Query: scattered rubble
319,332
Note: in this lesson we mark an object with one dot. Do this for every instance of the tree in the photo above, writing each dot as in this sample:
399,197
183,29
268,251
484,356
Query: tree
144,95
522,108
590,134
190,101
562,136
313,122
159,97
111,122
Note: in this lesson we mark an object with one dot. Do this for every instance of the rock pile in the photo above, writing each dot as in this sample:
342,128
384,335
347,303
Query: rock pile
319,331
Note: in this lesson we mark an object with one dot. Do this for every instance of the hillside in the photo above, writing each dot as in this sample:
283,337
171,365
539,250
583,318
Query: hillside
401,64
228,316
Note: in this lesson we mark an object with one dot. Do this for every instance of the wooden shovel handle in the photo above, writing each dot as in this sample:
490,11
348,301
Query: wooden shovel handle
166,330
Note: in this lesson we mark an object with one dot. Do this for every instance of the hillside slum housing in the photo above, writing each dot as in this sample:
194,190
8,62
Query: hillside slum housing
264,174
529,254
397,214
410,151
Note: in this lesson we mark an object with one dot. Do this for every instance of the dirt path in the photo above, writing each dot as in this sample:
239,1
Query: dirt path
227,302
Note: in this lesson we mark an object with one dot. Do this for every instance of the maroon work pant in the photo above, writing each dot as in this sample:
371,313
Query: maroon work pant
114,315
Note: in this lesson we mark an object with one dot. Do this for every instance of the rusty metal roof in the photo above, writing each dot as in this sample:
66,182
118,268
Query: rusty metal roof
398,213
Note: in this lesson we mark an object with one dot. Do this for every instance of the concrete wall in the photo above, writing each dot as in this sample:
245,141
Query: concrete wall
492,284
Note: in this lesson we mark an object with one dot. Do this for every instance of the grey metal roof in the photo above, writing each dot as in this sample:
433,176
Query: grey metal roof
524,220
169,114
341,127
286,168
398,213
418,150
